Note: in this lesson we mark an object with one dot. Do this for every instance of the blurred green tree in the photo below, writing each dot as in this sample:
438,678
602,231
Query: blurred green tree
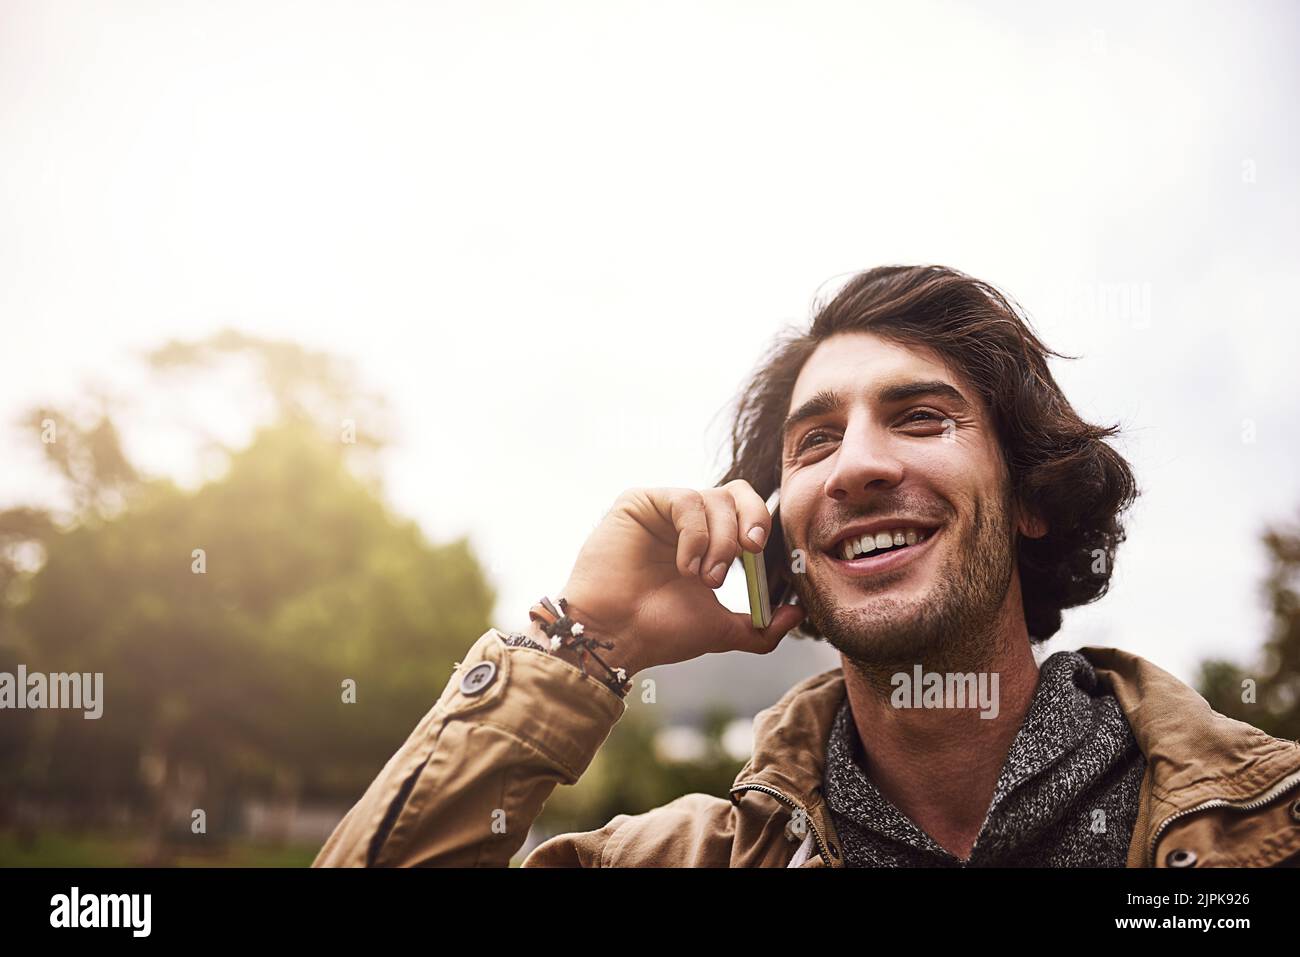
225,678
1267,694
307,581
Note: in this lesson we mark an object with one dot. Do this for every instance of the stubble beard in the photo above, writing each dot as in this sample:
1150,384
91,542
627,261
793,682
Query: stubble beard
952,629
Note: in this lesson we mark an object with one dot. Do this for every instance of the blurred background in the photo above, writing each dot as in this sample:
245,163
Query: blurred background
313,290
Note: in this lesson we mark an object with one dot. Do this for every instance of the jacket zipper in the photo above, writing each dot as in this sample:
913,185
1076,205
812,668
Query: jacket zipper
793,805
1281,787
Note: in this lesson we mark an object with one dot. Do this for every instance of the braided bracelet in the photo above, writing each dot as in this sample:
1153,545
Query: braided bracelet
567,633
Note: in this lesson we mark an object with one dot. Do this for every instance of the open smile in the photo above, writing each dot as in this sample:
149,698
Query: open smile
897,556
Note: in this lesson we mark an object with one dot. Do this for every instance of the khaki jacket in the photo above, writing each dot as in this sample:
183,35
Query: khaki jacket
513,722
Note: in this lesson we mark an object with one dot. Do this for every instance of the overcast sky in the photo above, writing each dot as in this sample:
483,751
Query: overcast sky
563,225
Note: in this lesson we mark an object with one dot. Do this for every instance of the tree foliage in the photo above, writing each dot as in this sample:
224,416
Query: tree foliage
1267,694
227,619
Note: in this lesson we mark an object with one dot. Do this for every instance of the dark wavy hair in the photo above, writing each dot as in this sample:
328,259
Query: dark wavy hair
1059,465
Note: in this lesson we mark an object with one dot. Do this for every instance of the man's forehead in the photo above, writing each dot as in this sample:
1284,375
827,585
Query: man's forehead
852,363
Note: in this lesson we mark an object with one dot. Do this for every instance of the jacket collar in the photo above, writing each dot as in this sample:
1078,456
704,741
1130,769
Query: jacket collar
1194,754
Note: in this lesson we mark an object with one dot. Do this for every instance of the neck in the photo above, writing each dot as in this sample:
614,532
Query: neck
940,765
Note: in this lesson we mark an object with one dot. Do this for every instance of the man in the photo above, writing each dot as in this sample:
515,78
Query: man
942,503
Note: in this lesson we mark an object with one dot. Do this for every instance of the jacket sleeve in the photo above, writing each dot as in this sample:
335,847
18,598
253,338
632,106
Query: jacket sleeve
472,777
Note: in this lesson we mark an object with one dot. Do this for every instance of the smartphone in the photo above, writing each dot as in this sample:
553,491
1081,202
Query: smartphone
767,574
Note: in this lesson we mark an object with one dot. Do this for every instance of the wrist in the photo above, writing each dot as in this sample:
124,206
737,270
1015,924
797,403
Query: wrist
622,654
567,632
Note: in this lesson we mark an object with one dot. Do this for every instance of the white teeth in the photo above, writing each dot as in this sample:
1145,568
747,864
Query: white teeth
854,547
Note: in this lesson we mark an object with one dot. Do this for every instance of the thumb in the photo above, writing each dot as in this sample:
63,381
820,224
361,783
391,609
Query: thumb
741,635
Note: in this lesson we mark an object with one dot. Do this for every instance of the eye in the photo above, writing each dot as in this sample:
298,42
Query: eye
927,414
807,441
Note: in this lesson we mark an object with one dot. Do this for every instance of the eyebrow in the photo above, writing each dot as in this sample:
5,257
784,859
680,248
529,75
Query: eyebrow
827,401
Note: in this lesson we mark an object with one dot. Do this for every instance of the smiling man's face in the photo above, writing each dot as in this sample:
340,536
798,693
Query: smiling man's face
884,438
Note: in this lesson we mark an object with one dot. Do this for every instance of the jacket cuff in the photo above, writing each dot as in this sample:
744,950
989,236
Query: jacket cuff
541,699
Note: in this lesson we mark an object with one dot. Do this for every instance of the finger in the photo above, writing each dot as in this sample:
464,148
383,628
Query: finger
685,508
753,520
739,633
724,537
785,619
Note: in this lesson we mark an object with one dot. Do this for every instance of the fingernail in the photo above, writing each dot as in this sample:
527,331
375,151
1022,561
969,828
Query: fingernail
718,571
695,565
757,535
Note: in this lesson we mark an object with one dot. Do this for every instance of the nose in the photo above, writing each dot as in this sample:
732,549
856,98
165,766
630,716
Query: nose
865,465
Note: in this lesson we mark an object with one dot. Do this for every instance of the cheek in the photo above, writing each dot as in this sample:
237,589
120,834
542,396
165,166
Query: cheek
796,512
958,455
956,472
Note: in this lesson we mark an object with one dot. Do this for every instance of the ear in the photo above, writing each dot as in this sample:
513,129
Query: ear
1031,524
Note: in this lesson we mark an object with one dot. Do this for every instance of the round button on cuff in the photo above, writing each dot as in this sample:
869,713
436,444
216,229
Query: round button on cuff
1181,858
478,678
